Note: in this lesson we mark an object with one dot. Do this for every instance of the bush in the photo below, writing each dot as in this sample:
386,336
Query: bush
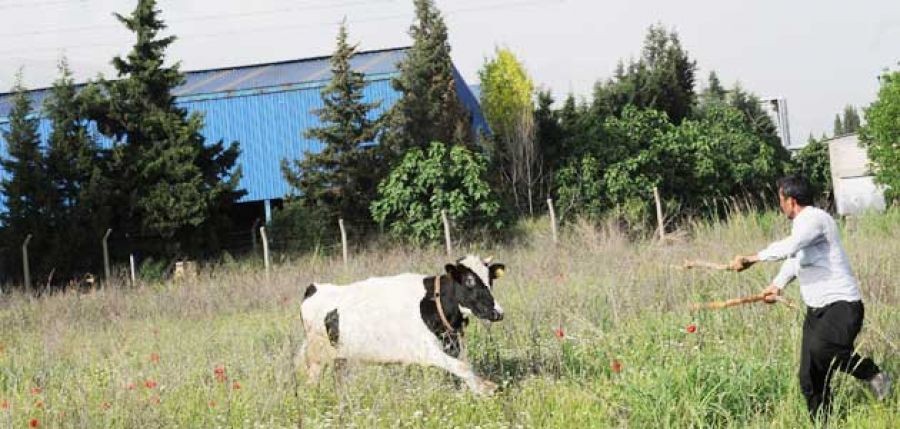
410,200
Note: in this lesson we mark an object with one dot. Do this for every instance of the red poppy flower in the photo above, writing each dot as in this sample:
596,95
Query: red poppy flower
236,385
219,372
154,357
33,423
691,328
616,366
150,383
560,333
36,390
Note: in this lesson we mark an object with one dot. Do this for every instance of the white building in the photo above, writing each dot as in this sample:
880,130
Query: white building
855,190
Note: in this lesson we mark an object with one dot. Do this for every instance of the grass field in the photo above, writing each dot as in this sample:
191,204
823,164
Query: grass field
217,351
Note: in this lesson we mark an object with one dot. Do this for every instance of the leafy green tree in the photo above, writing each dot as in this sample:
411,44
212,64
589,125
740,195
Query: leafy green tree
838,129
429,108
506,98
169,182
451,178
813,163
580,189
881,133
342,179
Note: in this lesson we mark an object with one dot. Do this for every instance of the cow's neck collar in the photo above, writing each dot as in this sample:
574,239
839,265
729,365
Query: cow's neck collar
440,307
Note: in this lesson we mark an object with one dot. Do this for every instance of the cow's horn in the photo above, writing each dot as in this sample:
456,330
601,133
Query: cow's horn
488,259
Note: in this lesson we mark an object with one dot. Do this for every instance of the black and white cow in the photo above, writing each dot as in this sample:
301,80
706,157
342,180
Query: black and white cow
401,319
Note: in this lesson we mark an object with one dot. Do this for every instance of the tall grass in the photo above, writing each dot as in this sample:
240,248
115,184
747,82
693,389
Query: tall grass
217,350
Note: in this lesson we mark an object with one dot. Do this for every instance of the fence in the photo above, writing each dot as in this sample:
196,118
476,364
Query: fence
261,242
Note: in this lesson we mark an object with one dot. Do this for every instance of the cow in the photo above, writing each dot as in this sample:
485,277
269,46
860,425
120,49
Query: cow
405,319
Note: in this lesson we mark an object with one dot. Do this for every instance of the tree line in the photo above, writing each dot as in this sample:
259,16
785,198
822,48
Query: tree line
122,154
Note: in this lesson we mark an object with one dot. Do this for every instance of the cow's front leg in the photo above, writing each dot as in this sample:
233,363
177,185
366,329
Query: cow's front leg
464,371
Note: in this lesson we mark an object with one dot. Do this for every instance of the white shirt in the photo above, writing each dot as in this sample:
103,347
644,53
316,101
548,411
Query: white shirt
814,255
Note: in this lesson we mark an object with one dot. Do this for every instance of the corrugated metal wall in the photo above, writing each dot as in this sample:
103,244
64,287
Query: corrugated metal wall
267,108
281,118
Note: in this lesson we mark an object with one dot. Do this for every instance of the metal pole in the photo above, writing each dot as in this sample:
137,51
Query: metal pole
106,254
447,233
25,268
343,239
131,263
552,218
265,241
659,215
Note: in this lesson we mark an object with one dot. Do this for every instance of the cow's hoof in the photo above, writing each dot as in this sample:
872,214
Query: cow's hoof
486,387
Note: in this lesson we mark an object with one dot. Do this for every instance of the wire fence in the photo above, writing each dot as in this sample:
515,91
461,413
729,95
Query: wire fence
129,257
132,257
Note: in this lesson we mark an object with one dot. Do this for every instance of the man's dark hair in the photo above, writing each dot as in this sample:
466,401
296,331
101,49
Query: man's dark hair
798,188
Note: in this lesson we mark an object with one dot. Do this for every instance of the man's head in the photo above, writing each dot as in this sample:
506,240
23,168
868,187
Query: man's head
794,193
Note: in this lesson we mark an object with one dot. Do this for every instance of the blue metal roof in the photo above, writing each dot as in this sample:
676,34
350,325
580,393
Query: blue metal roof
268,107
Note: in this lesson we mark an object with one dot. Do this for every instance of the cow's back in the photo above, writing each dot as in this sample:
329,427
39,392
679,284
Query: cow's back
366,317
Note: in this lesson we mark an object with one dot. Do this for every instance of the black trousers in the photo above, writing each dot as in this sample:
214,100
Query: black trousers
828,336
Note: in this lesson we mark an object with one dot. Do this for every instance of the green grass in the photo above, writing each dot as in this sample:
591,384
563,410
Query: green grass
92,355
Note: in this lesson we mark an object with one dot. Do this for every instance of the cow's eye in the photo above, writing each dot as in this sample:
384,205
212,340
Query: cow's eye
470,281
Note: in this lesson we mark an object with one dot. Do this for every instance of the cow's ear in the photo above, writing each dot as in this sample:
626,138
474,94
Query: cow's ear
454,272
497,271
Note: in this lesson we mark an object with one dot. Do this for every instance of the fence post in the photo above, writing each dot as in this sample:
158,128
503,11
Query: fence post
131,264
265,243
106,255
25,268
253,233
343,239
447,241
552,219
659,216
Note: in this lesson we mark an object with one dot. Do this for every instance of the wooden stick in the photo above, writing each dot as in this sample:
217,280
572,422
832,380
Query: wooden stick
690,264
715,305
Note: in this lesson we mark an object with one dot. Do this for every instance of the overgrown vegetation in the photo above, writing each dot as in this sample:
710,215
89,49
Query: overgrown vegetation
595,335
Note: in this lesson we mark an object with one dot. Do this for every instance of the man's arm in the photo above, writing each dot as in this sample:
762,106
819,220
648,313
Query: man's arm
787,273
803,233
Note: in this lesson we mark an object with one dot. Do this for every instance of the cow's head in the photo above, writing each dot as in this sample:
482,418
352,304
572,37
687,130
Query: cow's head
473,286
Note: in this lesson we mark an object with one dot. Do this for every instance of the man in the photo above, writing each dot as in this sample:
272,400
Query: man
834,315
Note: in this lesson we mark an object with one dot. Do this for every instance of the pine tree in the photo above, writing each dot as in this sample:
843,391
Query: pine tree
26,185
838,129
342,179
669,85
851,120
549,135
74,173
429,108
169,183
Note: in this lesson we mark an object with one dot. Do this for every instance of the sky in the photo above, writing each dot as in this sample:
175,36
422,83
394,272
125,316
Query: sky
818,55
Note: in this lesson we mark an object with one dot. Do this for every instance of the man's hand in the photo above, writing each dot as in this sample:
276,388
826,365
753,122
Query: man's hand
741,263
771,294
